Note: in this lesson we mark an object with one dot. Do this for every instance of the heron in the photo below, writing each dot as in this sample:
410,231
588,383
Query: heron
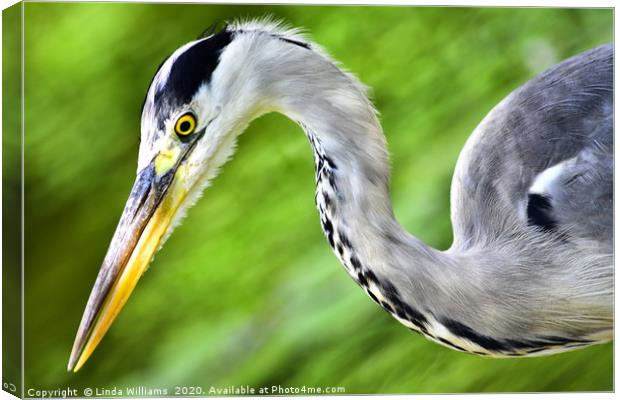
530,269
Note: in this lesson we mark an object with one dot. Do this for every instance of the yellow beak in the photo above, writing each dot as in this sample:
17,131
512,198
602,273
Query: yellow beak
150,209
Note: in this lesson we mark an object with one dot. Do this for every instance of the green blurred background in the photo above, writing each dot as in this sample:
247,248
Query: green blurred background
246,291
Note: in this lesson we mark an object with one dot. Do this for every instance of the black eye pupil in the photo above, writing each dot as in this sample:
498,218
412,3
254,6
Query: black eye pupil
185,125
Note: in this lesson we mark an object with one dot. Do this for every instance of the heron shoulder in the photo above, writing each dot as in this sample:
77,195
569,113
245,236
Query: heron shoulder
551,118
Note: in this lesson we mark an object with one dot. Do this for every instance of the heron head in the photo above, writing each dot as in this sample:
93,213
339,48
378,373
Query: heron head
199,101
196,106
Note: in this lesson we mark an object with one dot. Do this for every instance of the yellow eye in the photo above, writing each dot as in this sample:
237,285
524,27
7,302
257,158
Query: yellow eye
185,125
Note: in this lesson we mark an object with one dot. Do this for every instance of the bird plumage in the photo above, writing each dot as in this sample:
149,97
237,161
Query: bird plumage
564,113
508,286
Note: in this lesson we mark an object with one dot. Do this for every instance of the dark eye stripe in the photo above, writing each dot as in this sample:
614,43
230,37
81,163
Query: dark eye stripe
192,68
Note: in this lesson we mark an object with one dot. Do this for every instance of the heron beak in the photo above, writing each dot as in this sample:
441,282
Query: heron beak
154,200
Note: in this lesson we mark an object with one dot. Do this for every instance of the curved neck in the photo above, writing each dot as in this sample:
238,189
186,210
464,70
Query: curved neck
445,296
458,300
352,194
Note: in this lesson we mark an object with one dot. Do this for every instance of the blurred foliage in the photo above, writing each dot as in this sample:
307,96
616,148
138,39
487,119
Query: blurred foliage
246,291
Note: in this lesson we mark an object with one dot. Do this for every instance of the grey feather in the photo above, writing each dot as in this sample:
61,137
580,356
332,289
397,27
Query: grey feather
565,112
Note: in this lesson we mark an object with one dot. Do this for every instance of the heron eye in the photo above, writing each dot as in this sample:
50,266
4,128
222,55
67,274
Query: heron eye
185,125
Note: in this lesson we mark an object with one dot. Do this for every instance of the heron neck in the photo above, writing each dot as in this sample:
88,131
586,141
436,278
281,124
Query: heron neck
352,193
421,287
450,297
